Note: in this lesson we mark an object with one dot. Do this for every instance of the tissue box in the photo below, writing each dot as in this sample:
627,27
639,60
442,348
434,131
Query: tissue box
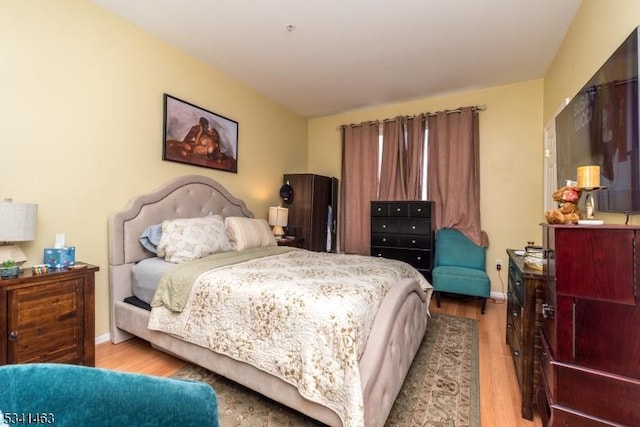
60,257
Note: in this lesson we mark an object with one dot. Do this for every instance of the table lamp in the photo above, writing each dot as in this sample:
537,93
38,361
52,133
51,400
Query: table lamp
278,217
589,180
17,224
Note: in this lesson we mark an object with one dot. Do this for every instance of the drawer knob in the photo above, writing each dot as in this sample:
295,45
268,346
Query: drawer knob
397,209
419,209
509,326
419,258
384,225
518,283
384,239
379,209
413,241
13,336
515,313
413,227
516,353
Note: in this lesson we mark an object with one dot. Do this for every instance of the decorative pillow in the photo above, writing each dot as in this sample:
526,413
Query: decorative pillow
150,237
246,233
187,239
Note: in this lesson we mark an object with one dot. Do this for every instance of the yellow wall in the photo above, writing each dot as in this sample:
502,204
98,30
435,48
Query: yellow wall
82,124
81,107
510,159
597,30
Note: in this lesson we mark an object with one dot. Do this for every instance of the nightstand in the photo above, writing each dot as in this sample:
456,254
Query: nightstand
291,241
49,317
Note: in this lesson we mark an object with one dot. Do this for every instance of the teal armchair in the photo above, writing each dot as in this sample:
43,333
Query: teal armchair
460,267
74,396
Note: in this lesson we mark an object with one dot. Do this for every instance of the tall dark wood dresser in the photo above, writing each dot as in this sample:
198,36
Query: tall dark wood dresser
524,317
590,368
403,230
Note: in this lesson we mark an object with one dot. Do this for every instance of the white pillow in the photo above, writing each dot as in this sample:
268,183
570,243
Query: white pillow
246,233
187,239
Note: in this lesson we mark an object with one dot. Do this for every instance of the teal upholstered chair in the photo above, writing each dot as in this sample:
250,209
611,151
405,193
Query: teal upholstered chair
71,395
460,267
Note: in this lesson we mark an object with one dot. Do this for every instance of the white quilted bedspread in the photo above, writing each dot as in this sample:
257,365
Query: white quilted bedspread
301,316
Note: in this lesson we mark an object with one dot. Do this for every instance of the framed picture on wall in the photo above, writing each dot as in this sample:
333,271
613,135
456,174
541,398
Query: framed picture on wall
199,137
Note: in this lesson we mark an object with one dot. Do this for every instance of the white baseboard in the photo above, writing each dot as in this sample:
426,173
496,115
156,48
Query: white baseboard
498,295
103,338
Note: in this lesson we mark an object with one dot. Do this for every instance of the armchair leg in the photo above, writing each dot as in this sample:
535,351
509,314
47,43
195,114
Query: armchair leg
437,299
483,306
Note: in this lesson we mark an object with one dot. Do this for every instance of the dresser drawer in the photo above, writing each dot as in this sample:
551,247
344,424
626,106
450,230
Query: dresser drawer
420,210
414,241
516,283
599,394
399,209
420,259
514,312
414,226
563,417
384,225
547,372
515,345
378,239
379,209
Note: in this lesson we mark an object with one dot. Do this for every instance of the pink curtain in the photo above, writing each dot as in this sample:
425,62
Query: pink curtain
359,186
454,172
393,169
415,156
402,158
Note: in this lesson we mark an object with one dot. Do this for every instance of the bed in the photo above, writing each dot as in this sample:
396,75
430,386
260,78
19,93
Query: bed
391,342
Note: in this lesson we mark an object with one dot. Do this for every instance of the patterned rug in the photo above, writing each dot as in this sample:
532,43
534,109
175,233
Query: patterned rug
441,388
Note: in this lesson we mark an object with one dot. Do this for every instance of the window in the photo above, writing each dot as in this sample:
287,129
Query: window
425,158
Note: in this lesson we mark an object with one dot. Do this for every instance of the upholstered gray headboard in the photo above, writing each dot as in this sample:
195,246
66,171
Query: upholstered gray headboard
188,196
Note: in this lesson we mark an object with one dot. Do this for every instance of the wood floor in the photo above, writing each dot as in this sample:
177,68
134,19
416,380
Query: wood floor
499,395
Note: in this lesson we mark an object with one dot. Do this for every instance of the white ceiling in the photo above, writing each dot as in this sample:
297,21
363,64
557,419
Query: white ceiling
348,54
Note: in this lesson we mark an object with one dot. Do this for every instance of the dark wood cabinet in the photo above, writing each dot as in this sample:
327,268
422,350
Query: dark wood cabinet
313,210
403,230
49,317
590,370
524,318
295,242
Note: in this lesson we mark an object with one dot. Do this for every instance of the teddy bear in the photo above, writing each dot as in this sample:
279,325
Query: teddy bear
568,212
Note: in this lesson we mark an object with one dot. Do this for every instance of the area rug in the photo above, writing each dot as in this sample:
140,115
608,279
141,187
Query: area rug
441,388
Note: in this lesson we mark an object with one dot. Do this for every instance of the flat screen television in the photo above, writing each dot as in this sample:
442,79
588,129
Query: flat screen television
599,126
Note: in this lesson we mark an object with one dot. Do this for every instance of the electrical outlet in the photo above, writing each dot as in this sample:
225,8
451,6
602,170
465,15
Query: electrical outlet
498,264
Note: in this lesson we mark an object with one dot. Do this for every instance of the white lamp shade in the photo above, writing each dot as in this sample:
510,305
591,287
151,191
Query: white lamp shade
278,216
18,221
17,224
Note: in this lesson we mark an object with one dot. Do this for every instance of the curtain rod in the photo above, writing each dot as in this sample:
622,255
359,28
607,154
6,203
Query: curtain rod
455,110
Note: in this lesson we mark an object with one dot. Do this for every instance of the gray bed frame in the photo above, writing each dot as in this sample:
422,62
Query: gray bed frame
394,340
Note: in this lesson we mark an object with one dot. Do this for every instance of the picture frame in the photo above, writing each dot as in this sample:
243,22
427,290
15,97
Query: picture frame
196,136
